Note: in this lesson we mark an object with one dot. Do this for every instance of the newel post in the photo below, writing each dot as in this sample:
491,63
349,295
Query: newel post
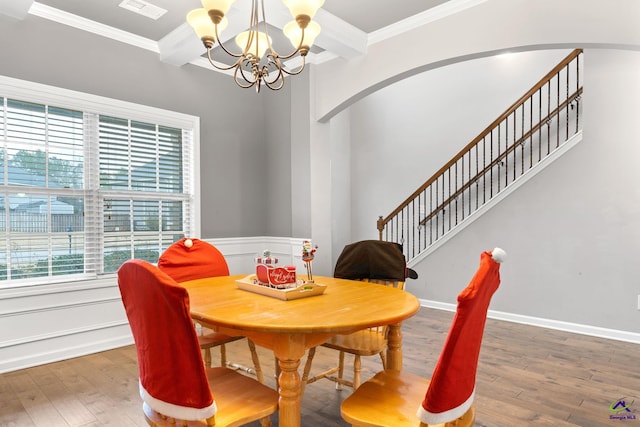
380,227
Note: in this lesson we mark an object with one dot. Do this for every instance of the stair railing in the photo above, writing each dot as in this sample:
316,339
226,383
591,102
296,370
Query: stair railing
537,124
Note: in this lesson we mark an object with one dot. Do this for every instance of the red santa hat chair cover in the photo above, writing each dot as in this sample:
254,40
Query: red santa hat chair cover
191,258
452,387
174,382
391,397
172,374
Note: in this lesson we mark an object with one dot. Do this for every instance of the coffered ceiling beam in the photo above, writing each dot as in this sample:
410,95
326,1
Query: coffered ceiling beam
180,46
337,36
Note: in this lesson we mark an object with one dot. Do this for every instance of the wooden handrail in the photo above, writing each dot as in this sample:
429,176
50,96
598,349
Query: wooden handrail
503,155
566,61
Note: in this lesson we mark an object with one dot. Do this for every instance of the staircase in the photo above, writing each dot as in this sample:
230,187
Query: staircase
528,132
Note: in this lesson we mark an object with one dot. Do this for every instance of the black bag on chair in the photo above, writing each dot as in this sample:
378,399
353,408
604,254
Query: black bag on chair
372,259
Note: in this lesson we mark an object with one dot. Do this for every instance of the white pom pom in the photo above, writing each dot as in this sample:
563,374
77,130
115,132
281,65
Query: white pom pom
498,255
188,243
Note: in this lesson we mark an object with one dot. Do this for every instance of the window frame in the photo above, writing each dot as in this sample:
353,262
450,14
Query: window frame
93,104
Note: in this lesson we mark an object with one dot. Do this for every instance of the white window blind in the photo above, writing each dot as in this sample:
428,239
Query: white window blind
83,192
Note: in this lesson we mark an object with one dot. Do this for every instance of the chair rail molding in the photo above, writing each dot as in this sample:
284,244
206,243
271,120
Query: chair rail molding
46,323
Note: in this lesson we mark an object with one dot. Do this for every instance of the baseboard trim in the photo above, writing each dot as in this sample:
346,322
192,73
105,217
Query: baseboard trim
576,328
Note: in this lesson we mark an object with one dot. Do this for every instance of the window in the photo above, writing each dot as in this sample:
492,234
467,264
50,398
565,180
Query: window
83,190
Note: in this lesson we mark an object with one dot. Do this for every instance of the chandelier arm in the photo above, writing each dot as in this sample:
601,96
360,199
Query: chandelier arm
300,45
299,70
271,84
275,62
217,37
254,20
253,29
235,55
239,82
225,68
273,87
266,27
256,73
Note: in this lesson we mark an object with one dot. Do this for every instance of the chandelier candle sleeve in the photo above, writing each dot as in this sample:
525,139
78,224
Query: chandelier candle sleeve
222,5
254,43
258,63
295,34
303,7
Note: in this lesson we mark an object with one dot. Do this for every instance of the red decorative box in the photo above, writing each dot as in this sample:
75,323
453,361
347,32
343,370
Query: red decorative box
267,274
276,277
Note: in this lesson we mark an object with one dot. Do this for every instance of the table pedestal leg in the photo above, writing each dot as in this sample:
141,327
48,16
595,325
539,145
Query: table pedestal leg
289,403
394,347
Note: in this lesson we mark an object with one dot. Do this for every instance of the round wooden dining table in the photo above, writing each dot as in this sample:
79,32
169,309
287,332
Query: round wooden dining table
290,327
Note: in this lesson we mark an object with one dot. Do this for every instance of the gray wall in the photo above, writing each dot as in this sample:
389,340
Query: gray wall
404,133
276,162
571,232
234,142
301,155
571,262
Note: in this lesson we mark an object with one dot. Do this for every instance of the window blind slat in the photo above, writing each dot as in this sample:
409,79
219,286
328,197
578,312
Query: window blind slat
69,218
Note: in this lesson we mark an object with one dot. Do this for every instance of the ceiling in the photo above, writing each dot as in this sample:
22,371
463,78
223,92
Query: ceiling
358,13
347,25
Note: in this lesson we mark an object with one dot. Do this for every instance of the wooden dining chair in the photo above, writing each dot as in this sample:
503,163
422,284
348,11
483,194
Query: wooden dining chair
175,385
397,398
190,259
371,261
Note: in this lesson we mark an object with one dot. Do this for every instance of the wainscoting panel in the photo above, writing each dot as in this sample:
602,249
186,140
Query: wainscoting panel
241,252
45,323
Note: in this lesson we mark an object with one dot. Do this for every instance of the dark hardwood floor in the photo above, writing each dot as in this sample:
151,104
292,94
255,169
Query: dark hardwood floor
527,376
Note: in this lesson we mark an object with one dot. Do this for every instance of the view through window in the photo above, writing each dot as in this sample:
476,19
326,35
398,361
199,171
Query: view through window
84,191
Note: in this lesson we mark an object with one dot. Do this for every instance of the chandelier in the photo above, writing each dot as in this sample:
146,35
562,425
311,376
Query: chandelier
258,63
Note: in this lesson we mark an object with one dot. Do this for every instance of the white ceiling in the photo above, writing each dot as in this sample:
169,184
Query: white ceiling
347,25
366,15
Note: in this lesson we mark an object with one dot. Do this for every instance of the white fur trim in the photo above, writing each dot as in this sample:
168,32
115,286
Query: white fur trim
498,255
177,411
446,416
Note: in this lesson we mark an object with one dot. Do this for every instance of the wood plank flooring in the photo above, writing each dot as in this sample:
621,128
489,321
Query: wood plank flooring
527,376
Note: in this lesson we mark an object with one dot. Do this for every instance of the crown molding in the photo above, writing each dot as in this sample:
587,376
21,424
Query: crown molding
61,17
334,35
434,14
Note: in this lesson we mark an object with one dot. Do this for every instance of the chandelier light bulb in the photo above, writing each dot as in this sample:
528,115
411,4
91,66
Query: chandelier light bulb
203,26
294,33
255,43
